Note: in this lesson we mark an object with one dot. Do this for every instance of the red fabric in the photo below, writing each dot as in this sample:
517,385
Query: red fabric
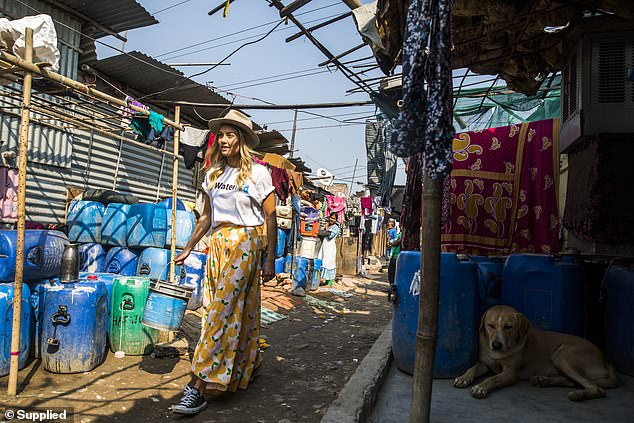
366,205
503,191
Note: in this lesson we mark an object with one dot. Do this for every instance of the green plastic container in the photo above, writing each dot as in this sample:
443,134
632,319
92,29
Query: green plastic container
127,334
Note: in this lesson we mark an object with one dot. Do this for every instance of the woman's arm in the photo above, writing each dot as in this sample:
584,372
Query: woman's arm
201,228
271,235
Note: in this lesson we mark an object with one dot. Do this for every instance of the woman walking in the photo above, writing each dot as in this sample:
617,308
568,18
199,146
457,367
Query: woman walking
239,199
328,250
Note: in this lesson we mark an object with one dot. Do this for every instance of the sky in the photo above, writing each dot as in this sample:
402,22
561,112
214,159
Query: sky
321,142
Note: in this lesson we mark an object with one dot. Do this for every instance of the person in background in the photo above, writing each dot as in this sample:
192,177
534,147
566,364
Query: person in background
394,248
328,250
239,198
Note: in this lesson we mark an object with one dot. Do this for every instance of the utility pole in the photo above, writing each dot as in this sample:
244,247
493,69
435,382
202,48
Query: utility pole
293,135
354,172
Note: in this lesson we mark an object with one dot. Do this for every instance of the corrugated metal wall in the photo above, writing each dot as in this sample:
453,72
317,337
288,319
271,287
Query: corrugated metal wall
62,159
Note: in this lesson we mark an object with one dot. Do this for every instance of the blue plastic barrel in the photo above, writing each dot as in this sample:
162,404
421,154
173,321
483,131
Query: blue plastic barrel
38,290
84,221
193,274
43,254
184,225
146,225
74,320
281,242
167,204
458,315
6,322
548,290
619,330
279,265
106,278
490,280
154,264
114,230
300,273
92,257
287,263
316,273
122,261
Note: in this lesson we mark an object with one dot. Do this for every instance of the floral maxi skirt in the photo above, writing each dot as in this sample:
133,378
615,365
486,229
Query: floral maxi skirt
227,352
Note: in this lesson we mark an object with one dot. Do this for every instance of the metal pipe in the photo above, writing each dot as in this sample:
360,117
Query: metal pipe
427,333
267,106
321,25
19,258
345,53
287,10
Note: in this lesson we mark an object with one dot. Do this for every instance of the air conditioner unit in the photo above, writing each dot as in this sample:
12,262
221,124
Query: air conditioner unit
598,87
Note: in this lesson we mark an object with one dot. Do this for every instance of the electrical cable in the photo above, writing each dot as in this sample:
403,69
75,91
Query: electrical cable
169,7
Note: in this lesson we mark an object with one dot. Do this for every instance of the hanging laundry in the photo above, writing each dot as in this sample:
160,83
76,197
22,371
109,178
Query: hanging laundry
503,191
366,205
192,144
147,128
425,122
281,182
336,204
411,216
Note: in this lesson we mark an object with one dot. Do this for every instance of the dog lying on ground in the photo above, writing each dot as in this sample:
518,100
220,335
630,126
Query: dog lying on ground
513,350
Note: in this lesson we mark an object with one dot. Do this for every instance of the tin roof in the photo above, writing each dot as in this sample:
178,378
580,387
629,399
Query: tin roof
119,15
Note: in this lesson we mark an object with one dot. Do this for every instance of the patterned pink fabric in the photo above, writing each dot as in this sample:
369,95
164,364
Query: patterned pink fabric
503,191
337,205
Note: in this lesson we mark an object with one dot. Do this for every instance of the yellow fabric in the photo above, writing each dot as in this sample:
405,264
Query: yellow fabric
227,351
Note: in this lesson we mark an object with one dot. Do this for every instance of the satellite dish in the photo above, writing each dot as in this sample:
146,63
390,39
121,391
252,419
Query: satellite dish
324,177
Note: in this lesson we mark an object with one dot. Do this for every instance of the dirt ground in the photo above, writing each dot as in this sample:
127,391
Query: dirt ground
311,354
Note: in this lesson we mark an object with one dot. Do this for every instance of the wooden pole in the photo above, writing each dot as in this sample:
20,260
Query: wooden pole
293,135
354,173
428,302
19,259
177,119
28,65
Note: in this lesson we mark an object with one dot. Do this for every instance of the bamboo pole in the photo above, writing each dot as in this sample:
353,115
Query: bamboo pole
28,65
177,118
428,302
19,258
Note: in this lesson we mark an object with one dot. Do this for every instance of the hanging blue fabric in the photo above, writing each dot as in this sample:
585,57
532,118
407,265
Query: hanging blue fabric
425,122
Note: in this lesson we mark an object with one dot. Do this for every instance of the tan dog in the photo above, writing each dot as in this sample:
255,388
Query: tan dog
513,350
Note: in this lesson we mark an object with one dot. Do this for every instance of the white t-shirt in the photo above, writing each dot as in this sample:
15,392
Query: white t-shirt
243,207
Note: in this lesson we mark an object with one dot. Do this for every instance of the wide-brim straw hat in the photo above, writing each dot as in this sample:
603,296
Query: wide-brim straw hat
240,120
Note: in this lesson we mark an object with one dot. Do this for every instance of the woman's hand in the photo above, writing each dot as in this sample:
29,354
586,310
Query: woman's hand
268,272
182,256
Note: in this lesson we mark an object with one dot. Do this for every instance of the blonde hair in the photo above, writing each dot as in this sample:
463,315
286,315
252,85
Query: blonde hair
216,162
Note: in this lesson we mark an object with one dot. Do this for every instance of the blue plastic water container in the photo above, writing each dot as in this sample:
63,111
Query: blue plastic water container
38,291
316,274
84,221
74,320
154,264
92,258
458,315
619,330
281,242
122,261
6,322
193,274
490,280
279,265
548,290
166,305
167,204
106,278
43,254
184,228
287,263
114,230
146,225
300,273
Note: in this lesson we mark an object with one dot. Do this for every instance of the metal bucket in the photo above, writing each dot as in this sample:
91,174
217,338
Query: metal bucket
166,305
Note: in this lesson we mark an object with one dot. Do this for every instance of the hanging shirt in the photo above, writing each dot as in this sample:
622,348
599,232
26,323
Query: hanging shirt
393,235
241,207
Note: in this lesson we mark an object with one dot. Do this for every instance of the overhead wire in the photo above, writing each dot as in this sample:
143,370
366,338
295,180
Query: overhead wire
170,7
